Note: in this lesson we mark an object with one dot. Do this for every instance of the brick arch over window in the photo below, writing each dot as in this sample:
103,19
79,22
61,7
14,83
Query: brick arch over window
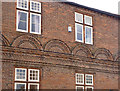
117,57
56,45
4,41
27,41
103,53
82,50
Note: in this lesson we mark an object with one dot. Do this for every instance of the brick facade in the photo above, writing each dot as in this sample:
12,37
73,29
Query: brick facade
55,52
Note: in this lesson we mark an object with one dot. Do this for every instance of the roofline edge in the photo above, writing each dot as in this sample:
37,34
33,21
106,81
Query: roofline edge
92,9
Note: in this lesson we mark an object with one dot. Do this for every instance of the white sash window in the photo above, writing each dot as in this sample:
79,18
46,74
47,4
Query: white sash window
83,28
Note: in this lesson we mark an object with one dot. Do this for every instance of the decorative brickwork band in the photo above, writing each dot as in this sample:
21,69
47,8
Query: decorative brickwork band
56,45
103,53
27,41
4,41
82,50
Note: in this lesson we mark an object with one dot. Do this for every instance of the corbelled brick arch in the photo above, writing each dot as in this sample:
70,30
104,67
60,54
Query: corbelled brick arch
82,50
102,53
117,57
27,41
56,45
4,41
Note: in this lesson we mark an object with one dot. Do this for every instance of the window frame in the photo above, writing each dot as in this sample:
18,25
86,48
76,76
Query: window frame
19,83
29,75
80,86
91,35
20,30
84,86
76,78
31,23
85,79
27,82
84,23
89,87
85,20
76,17
33,84
28,11
16,74
31,6
77,32
22,7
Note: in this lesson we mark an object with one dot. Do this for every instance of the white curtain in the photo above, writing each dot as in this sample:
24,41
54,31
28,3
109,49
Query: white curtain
88,35
37,24
36,20
19,15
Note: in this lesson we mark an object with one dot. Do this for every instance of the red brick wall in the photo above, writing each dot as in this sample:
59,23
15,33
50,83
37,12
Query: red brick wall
106,81
57,77
55,20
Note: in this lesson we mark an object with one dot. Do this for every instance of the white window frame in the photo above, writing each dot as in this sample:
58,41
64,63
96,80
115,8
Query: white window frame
76,78
31,6
31,23
88,87
29,75
85,16
16,74
91,35
76,17
80,87
77,32
85,79
33,84
17,22
19,83
22,7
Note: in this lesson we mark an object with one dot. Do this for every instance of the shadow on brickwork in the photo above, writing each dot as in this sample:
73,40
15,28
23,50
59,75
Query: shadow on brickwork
119,43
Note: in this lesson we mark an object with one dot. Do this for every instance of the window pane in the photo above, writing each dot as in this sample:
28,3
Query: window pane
22,21
22,25
79,88
79,36
88,20
35,23
79,17
20,74
79,78
23,16
23,4
20,86
35,6
33,27
89,79
88,88
88,35
33,75
79,30
33,87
